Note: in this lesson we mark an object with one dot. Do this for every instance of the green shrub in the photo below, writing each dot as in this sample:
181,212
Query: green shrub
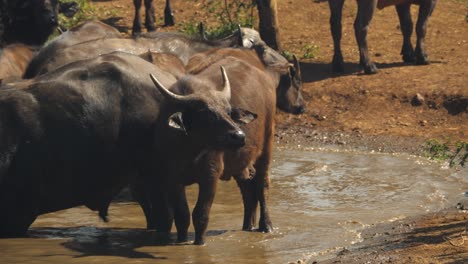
456,154
226,16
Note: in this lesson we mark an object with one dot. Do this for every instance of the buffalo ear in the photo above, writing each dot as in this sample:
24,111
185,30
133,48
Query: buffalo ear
201,31
147,56
175,121
242,116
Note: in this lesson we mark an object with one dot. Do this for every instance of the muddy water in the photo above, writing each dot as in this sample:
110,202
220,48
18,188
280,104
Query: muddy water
320,200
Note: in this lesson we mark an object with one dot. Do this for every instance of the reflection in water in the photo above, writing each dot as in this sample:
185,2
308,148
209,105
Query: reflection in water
319,202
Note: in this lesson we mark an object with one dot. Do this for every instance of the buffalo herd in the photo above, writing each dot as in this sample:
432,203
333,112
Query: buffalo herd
96,112
92,112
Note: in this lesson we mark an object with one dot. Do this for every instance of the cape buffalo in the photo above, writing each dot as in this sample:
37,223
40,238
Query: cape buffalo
28,21
77,135
185,160
289,96
364,15
87,31
175,43
254,88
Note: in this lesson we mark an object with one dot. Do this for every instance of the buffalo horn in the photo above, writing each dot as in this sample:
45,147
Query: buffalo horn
168,94
240,40
297,65
226,92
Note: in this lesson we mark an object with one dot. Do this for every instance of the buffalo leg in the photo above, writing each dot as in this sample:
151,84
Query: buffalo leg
249,198
200,215
141,196
336,8
168,14
17,215
181,213
149,16
364,15
153,197
425,10
262,184
406,26
210,172
137,20
17,204
162,211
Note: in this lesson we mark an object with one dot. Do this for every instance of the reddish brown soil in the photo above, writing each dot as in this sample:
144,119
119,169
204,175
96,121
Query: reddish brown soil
370,112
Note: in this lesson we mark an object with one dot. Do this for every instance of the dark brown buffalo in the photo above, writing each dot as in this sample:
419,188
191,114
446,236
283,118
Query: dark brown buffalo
28,21
77,135
14,59
253,91
149,16
261,63
87,31
366,9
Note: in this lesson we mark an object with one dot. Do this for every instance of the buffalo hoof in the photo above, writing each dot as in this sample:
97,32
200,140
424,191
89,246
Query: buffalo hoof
150,28
182,238
199,242
249,228
338,64
169,20
407,53
408,57
136,30
421,59
13,233
162,238
370,68
266,227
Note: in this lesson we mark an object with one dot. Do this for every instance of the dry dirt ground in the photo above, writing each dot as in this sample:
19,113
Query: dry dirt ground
373,112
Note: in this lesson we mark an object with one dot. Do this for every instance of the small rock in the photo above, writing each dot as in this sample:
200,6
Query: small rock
423,122
432,104
417,100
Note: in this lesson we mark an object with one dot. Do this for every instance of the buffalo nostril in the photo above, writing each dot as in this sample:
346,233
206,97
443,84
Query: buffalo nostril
237,138
300,110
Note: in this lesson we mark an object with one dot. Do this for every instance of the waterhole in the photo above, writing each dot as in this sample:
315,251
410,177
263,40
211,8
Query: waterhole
319,202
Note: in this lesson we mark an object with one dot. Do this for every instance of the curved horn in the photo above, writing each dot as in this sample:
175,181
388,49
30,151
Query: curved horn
240,40
165,92
59,29
226,92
